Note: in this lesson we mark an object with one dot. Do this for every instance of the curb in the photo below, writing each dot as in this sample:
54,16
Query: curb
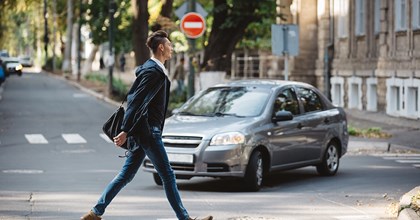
406,212
355,146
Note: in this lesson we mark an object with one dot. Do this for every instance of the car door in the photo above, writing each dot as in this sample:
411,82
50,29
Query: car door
314,122
285,137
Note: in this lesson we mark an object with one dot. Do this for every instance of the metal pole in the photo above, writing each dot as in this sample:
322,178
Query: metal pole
79,41
46,40
111,38
191,43
286,52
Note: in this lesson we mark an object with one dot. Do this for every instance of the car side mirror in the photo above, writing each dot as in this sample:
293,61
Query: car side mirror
283,116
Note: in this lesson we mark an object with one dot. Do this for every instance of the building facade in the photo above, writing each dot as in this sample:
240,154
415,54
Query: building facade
364,53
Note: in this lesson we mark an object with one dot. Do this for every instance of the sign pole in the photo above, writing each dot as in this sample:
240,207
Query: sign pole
191,43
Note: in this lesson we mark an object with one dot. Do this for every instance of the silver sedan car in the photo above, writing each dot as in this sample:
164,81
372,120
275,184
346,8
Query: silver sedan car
249,128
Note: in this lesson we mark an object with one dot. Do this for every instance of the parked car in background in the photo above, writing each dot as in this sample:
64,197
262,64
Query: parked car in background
26,61
13,66
248,129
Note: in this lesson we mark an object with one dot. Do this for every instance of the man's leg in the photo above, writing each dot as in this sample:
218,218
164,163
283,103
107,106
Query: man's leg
159,158
127,173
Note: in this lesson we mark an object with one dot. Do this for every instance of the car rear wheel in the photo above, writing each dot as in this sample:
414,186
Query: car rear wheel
157,179
254,172
330,161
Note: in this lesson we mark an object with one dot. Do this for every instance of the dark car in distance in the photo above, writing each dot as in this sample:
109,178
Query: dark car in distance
250,128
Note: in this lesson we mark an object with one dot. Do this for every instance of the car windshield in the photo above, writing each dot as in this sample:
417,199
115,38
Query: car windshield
228,101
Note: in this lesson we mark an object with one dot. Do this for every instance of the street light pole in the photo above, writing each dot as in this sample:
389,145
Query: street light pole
191,43
111,58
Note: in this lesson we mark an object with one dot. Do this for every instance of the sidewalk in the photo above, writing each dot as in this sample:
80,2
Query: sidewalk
404,132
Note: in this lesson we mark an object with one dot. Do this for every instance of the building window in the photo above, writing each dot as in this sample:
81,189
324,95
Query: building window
337,91
341,11
378,16
394,96
400,15
372,94
360,17
416,14
355,93
412,88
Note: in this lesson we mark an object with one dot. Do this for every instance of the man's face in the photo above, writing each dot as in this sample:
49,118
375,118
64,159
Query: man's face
167,49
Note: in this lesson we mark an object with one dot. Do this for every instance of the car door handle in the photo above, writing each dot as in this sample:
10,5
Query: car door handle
300,126
326,120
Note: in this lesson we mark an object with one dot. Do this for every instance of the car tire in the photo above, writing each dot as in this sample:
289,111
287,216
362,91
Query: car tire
330,161
157,179
254,172
19,73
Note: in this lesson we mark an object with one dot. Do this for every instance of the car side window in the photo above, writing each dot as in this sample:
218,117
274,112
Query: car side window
310,99
287,101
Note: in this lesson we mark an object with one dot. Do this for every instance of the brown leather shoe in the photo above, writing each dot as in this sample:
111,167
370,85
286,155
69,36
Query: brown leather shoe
90,216
206,218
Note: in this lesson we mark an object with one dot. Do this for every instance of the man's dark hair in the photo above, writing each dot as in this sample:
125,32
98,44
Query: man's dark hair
156,38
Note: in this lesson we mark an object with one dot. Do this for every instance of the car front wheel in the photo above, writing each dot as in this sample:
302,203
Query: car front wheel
254,172
330,161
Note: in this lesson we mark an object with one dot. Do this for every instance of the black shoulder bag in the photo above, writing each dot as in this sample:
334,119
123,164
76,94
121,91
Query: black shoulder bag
112,126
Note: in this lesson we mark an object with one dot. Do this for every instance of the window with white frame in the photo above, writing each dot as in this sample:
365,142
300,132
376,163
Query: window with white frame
412,88
395,96
341,11
372,94
337,91
400,15
416,15
354,92
377,12
360,17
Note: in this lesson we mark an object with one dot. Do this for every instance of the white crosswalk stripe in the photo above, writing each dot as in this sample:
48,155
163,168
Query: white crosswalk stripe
36,139
74,139
413,159
103,136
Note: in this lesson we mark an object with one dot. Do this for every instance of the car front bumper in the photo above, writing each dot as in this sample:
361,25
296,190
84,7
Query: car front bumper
204,160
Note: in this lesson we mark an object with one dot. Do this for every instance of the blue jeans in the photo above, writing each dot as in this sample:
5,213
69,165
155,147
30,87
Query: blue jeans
157,154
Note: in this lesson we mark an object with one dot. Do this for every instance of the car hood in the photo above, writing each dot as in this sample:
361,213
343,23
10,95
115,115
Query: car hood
205,127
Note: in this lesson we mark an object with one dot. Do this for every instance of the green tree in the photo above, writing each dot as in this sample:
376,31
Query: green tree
231,18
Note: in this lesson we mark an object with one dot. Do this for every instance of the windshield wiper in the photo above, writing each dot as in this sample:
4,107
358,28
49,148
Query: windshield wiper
187,113
220,114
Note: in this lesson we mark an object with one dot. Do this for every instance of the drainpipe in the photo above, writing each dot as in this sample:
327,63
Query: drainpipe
329,54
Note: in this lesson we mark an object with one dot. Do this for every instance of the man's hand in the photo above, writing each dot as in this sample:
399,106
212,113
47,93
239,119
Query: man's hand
120,139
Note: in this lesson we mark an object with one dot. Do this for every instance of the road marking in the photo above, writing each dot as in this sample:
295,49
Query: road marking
80,95
36,139
413,159
408,161
80,151
106,138
353,217
24,171
73,139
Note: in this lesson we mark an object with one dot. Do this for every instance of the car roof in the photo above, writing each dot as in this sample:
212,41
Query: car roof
266,83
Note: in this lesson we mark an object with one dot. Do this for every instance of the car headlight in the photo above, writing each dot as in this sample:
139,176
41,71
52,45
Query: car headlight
228,138
19,67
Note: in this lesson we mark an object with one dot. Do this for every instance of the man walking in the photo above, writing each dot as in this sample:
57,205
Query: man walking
147,103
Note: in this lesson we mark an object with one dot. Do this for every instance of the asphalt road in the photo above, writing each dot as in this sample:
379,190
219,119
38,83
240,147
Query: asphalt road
54,164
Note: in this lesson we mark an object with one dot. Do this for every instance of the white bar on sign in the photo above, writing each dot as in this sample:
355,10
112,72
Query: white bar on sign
193,24
36,139
73,139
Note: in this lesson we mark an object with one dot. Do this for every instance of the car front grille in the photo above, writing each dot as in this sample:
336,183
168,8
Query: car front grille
181,141
175,166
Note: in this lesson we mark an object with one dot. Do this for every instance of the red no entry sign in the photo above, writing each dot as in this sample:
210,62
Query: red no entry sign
193,25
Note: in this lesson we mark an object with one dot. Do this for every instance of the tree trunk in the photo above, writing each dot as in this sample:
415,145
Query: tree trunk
223,38
67,53
167,8
87,66
140,31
